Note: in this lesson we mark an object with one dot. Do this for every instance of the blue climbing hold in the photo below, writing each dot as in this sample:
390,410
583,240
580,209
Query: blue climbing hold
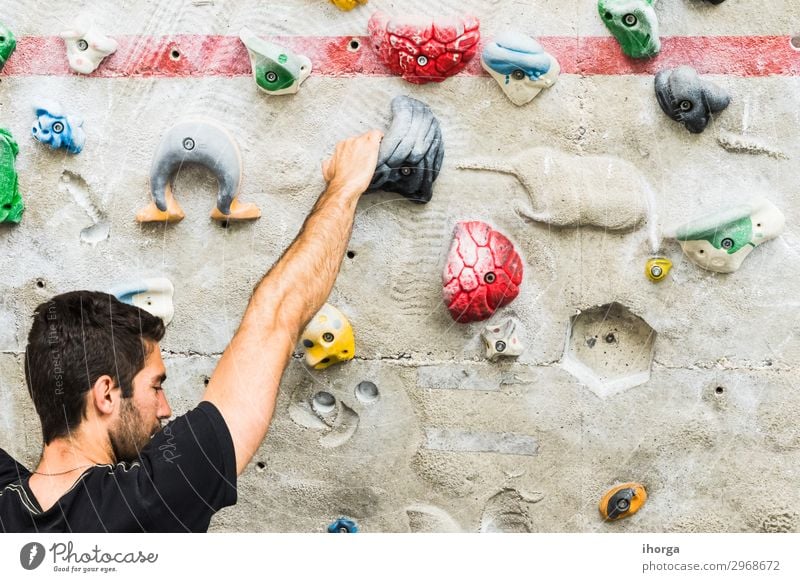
343,525
57,129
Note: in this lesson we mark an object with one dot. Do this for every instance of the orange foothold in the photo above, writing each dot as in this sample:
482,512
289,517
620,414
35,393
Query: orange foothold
622,501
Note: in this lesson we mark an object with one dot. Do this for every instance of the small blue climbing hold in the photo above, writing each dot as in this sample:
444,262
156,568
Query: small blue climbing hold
57,129
343,525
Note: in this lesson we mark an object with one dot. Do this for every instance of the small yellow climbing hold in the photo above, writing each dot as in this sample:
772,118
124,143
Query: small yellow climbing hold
657,269
622,501
348,4
328,339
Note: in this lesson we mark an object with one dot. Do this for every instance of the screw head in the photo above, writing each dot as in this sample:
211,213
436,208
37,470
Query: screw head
82,45
422,60
188,144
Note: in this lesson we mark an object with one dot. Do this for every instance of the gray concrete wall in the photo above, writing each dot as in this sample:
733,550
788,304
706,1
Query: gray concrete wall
711,461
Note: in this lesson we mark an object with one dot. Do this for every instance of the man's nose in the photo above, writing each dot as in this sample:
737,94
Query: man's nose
164,410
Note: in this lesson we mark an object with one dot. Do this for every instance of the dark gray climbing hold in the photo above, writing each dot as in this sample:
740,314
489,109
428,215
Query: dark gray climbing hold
688,99
411,153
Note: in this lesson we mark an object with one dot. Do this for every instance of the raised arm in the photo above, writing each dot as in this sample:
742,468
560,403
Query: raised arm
244,386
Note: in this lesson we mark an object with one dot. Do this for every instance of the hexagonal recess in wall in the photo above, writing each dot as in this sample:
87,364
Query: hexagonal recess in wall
609,349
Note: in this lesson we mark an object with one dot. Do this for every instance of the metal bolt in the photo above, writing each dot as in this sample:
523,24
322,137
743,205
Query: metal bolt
82,45
500,346
422,60
188,144
327,336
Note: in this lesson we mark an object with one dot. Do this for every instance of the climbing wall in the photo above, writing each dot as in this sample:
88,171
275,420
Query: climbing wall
687,386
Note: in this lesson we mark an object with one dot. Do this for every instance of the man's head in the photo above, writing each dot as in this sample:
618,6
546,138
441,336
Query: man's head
95,360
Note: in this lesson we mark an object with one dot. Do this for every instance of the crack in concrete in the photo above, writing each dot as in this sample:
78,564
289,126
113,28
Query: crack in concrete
407,360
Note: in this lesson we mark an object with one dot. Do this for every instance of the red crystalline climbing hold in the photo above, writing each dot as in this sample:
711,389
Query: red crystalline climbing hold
483,272
424,50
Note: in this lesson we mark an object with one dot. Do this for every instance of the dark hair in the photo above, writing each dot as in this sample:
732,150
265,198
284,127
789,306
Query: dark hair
77,337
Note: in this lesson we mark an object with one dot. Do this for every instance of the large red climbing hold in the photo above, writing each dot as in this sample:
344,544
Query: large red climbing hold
424,50
483,272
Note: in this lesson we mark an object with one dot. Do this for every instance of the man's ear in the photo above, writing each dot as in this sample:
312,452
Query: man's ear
104,395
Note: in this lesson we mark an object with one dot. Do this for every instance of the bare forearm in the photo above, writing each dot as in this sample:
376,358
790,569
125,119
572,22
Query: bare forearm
245,384
300,282
244,387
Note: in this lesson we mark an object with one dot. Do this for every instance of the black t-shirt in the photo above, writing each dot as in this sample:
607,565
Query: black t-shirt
185,474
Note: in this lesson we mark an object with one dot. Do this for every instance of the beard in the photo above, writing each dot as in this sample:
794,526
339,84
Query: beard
131,433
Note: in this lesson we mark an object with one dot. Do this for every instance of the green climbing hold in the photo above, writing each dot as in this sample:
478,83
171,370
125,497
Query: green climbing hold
11,205
7,44
276,70
634,24
730,237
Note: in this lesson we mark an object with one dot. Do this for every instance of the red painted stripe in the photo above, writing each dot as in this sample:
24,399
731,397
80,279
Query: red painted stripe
209,56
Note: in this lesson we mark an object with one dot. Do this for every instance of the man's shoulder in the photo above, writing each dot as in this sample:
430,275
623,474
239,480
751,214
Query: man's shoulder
10,470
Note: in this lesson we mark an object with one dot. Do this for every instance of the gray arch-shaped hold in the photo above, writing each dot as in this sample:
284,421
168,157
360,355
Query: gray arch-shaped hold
411,153
203,142
198,142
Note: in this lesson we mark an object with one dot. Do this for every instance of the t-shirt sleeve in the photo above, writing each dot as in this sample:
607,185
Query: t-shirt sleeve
187,472
10,470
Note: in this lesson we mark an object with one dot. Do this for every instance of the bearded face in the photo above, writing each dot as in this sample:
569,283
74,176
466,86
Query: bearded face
131,433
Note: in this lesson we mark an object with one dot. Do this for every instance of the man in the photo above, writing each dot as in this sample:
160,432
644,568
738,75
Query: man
94,371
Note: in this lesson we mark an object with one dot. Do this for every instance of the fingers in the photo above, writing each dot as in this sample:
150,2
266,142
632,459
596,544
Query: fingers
351,156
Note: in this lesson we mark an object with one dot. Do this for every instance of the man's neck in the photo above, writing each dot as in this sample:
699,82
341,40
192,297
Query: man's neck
67,455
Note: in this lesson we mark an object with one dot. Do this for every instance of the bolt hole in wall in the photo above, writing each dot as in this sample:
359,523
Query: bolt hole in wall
323,402
40,283
794,42
367,392
354,45
260,466
719,390
175,54
351,254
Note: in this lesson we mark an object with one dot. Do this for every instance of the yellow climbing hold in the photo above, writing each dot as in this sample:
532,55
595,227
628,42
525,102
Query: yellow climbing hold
328,339
348,4
657,269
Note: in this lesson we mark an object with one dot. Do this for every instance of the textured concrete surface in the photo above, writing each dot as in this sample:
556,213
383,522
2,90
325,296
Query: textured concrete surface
453,443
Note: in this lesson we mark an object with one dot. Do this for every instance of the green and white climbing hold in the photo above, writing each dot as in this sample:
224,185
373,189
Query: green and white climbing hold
721,241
